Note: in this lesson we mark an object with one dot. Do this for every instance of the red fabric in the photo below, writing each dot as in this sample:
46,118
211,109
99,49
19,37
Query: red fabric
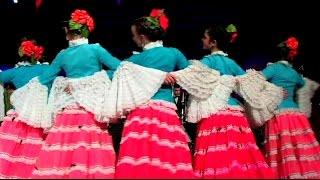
226,148
154,145
76,147
38,3
17,154
291,147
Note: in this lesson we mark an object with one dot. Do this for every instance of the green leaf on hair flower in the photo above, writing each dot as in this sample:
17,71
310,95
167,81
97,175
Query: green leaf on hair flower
281,45
73,25
231,28
154,23
85,32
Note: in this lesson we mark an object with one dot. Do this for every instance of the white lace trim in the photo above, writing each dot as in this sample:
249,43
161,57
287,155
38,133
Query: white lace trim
223,130
9,177
226,147
305,94
154,121
197,79
305,175
262,98
132,86
20,159
294,158
26,63
72,147
2,108
17,139
30,102
155,162
234,164
77,167
154,44
283,147
217,53
78,42
290,133
88,92
292,111
75,129
162,106
155,138
198,109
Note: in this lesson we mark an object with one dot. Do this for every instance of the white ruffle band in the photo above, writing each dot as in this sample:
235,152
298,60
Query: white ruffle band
30,102
262,98
132,86
305,94
197,79
209,92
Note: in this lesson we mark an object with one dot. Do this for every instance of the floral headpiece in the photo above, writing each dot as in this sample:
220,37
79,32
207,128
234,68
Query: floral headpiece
160,16
29,48
291,44
81,20
234,33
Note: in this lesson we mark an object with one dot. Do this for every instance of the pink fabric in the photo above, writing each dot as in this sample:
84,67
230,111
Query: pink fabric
291,147
226,148
76,147
19,147
154,145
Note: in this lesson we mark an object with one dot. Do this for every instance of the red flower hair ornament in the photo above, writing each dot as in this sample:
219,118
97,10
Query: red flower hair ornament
161,17
29,48
81,20
292,44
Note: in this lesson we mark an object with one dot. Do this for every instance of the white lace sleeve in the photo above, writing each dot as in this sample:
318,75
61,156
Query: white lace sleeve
218,99
2,108
197,79
132,86
30,102
262,98
305,94
89,92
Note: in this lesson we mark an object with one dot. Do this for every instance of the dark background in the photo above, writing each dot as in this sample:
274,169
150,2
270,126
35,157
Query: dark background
261,24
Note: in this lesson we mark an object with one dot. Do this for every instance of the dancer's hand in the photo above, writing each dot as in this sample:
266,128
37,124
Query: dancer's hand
170,79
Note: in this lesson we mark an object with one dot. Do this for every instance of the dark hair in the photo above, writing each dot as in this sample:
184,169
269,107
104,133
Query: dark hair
282,52
220,35
74,32
149,27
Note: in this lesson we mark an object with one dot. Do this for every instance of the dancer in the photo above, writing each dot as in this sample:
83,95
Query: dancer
225,145
78,144
21,138
291,147
154,144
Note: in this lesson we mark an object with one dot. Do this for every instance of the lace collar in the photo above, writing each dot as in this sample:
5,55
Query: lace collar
78,42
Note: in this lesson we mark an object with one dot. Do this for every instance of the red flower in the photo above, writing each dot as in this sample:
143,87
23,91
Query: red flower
163,19
38,52
90,24
27,48
292,54
292,43
234,37
30,49
82,17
